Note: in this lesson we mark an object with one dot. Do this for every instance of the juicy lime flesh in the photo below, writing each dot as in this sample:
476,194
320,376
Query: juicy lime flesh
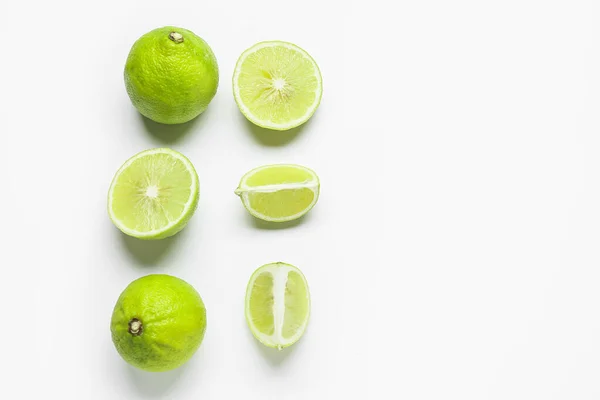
278,84
171,81
152,193
172,317
261,303
278,305
279,192
296,306
278,174
282,203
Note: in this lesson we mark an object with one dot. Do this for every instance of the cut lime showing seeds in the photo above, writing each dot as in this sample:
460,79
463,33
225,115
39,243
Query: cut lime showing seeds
279,193
277,305
154,194
277,85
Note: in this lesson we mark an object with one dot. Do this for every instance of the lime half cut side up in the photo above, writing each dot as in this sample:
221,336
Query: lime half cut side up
154,194
277,305
280,192
277,85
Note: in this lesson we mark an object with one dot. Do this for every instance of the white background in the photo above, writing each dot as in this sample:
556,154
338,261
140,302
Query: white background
454,253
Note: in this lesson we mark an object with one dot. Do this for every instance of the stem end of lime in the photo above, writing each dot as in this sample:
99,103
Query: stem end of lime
136,327
176,37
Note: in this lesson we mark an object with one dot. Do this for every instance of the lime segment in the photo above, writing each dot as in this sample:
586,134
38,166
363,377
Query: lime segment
297,308
277,305
279,193
154,194
261,302
277,85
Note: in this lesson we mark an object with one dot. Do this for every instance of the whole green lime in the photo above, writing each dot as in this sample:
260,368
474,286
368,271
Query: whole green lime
171,75
158,322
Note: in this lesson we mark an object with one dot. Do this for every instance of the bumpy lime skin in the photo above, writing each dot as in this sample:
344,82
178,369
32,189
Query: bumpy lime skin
170,82
173,322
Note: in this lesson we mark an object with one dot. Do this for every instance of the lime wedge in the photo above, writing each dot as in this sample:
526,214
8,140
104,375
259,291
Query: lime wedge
277,305
279,193
154,194
277,85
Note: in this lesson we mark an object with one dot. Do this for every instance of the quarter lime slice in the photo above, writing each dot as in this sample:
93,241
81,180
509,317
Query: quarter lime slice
277,305
279,193
154,194
277,85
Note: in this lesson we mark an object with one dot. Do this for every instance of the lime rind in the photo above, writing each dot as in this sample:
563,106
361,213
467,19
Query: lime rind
244,190
170,318
171,75
174,226
268,124
280,272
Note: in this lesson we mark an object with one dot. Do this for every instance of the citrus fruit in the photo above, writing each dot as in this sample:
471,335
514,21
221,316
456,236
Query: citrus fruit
154,194
279,193
277,305
277,85
158,322
171,75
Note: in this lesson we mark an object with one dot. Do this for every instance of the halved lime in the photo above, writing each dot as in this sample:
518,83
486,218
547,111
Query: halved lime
154,194
277,85
279,193
277,305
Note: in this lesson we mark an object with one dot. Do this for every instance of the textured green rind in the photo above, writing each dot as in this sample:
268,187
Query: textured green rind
168,82
173,317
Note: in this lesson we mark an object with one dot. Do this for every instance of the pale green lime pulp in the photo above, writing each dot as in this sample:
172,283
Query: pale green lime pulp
296,306
151,195
277,305
284,202
261,304
278,84
279,193
277,174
